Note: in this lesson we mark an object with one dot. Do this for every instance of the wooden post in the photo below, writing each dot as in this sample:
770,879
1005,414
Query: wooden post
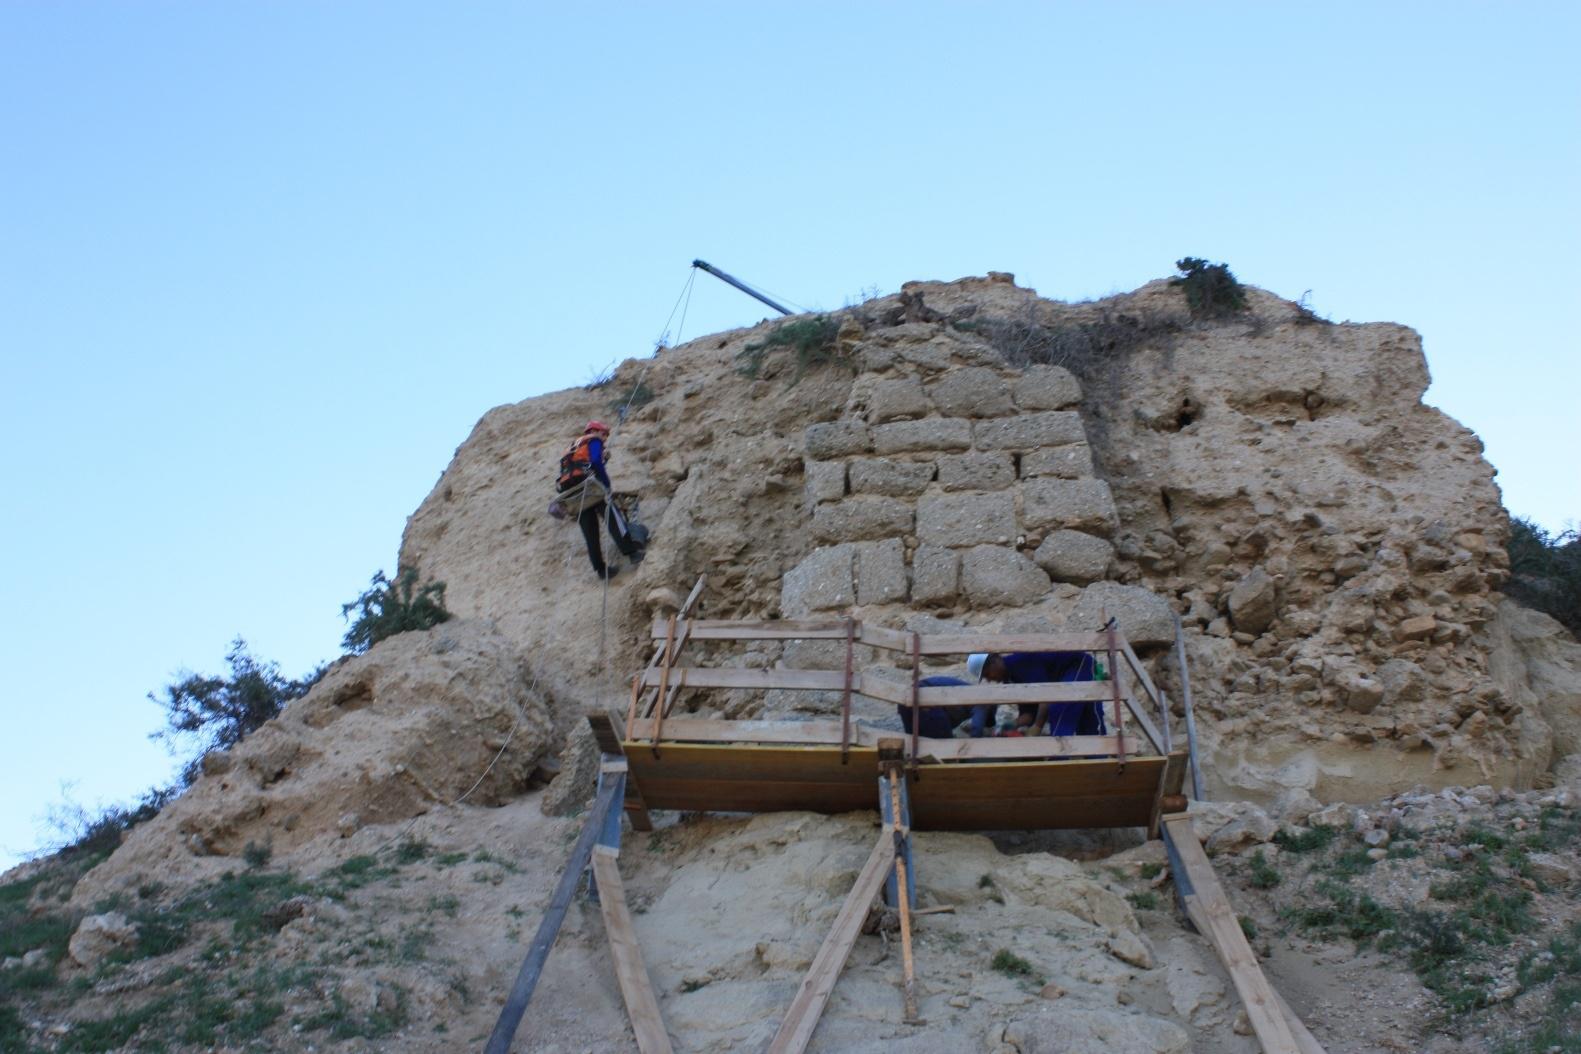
635,987
1114,681
538,952
664,684
916,711
845,704
1210,910
801,1021
902,834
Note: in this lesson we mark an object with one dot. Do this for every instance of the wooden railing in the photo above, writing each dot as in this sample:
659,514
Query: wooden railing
654,690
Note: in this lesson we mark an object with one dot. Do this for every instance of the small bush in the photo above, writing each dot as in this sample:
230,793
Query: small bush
1151,870
1310,840
257,855
639,394
812,342
1545,571
1264,874
1146,900
388,608
1211,290
1010,964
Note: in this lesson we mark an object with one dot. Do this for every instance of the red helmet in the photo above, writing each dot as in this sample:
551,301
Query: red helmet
596,426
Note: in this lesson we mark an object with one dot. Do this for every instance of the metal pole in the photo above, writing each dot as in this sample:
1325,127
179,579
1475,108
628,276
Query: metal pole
1191,720
727,279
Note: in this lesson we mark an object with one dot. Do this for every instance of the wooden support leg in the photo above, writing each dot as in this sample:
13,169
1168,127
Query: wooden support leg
904,889
641,1005
1209,909
801,1020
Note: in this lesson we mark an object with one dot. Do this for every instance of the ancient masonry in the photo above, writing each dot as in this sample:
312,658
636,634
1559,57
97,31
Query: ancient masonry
968,488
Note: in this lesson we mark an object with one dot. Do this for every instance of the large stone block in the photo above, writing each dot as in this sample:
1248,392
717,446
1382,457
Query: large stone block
967,519
830,439
880,571
935,575
974,391
1254,601
823,580
825,481
935,433
1071,461
1073,556
1047,388
855,519
997,575
1145,617
897,478
895,400
1030,431
976,471
1077,504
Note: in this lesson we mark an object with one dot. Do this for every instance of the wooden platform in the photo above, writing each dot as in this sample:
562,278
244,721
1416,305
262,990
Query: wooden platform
974,796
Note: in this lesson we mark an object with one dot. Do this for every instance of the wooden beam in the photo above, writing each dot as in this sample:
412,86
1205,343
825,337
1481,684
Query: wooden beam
1000,643
762,629
899,693
635,987
1211,912
796,1031
827,733
880,637
1169,782
549,928
742,677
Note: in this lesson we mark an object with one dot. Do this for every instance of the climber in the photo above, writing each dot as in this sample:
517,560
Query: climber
1047,667
587,456
939,722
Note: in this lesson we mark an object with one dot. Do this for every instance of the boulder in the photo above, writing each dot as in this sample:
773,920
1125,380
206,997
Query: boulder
967,519
1254,602
976,471
100,936
880,571
823,581
935,433
895,400
1074,556
974,391
996,575
935,575
570,790
1071,461
831,439
1551,869
901,479
1230,826
1030,431
1077,504
1145,618
1047,388
1403,681
859,518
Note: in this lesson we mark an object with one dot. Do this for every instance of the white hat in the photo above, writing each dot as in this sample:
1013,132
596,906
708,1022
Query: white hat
975,664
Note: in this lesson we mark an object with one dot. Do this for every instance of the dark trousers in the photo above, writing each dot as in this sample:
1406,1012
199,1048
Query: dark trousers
588,520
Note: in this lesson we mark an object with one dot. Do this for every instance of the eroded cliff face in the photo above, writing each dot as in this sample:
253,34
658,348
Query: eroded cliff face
1332,545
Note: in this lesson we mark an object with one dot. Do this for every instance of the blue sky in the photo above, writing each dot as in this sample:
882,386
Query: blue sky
262,266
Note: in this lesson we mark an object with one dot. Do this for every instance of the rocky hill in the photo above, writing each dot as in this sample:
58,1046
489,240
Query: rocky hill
961,454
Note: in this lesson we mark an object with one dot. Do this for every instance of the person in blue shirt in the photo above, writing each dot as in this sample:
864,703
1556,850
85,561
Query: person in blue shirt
1045,667
585,457
939,722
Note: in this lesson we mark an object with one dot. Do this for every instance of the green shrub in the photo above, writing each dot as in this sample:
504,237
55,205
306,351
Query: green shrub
1010,964
388,608
1305,841
1264,874
1146,900
1211,290
812,342
221,711
639,394
1545,571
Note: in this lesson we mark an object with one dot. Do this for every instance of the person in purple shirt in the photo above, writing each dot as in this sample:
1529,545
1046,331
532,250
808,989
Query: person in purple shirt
1045,667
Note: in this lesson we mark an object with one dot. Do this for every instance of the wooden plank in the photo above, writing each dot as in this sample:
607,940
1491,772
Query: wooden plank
827,733
899,693
505,1026
635,987
603,726
1305,1040
1156,697
1220,926
1000,643
759,629
888,639
741,677
1033,814
796,1031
